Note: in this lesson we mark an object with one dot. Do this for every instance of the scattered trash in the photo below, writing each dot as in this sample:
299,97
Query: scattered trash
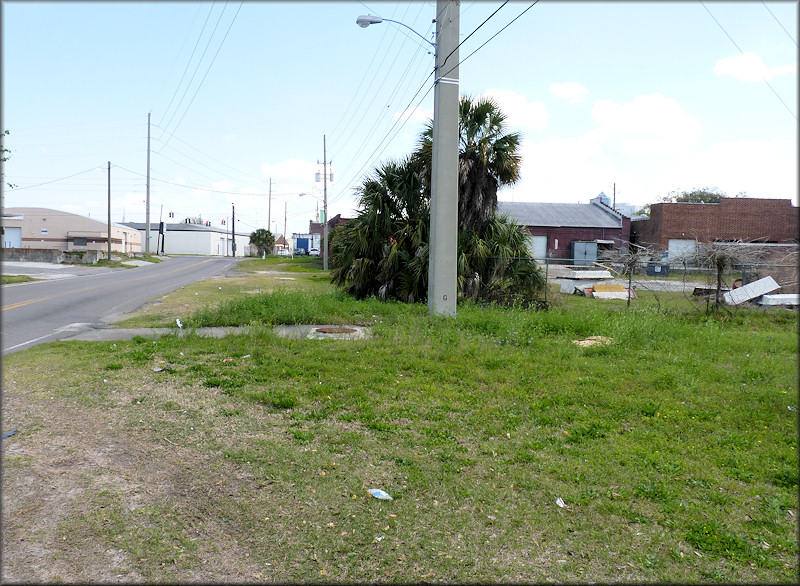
158,369
593,340
379,494
792,407
380,538
178,321
228,360
9,433
560,502
246,356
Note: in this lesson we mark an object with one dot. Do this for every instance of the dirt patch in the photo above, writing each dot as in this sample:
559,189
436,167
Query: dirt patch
70,468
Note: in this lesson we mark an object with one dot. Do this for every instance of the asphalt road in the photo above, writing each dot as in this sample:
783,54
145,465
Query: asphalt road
75,299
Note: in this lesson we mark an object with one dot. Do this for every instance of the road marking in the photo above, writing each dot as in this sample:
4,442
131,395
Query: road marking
23,303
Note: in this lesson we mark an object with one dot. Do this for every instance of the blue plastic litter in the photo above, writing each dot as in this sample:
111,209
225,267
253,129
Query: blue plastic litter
379,494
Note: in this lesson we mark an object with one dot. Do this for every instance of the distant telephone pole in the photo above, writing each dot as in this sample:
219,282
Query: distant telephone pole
109,211
233,229
269,205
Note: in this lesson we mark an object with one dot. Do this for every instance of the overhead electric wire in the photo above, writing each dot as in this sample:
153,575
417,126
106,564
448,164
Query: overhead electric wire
192,186
779,23
491,38
474,31
55,180
742,52
209,67
372,157
197,67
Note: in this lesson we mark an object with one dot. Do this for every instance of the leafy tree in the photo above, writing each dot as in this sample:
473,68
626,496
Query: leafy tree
262,239
488,159
5,153
697,195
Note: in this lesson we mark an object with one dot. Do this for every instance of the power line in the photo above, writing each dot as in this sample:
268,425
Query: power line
193,186
197,67
491,38
209,66
779,23
55,180
742,52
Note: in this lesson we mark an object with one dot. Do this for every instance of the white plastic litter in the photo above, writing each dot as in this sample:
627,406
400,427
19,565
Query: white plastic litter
560,502
180,325
379,494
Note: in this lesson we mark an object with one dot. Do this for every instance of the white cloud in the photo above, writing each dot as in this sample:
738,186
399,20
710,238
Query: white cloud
647,126
750,67
520,113
571,91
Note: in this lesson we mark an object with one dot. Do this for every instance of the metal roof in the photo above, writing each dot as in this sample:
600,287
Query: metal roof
576,215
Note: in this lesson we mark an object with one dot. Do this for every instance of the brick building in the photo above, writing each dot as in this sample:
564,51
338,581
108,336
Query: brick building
678,227
570,232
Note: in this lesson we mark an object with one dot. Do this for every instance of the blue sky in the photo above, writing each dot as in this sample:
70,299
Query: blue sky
650,97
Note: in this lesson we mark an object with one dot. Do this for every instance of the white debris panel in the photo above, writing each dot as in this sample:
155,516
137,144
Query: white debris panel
751,291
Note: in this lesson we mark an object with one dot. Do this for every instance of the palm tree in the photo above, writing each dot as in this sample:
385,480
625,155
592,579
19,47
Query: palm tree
383,251
262,239
487,160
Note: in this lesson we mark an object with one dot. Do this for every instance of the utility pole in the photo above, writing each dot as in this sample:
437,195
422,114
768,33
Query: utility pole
285,214
442,269
269,206
147,211
233,229
614,201
109,211
325,202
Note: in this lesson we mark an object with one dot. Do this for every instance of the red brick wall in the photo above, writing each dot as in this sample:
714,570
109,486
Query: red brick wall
745,219
565,236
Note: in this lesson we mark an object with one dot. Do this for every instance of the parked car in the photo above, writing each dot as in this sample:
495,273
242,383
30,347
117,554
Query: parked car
314,251
284,252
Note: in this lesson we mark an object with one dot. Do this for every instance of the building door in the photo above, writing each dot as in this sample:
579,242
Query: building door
537,248
12,238
679,249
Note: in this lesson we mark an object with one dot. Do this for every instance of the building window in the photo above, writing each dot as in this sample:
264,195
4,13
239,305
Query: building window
79,242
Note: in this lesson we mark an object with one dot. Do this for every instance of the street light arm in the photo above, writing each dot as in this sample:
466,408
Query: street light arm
368,19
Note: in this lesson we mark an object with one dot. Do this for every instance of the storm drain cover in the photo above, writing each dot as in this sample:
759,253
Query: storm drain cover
320,332
336,330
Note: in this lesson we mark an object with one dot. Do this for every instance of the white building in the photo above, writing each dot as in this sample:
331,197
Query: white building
43,228
188,238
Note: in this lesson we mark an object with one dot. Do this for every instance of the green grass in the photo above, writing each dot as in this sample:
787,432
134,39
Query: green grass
674,447
8,279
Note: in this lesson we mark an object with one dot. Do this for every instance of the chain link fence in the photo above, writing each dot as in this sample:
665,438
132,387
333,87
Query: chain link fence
699,280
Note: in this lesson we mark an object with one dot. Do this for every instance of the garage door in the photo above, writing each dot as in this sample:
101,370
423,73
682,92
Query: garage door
12,238
681,249
537,247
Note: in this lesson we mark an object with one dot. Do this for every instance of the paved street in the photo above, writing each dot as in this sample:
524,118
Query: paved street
74,298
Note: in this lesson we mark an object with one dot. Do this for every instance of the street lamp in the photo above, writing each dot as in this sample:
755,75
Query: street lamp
367,19
325,228
442,267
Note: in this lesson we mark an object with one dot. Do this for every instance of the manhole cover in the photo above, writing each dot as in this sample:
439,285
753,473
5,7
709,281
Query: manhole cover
336,330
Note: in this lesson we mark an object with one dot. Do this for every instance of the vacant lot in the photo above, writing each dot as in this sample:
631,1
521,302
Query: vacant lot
667,452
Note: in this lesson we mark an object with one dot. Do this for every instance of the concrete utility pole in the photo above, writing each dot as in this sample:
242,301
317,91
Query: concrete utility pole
325,202
233,229
109,211
442,266
147,211
269,205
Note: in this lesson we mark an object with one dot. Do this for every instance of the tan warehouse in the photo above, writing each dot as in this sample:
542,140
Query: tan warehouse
43,228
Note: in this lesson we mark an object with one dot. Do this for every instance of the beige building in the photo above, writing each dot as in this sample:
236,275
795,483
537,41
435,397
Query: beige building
43,228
